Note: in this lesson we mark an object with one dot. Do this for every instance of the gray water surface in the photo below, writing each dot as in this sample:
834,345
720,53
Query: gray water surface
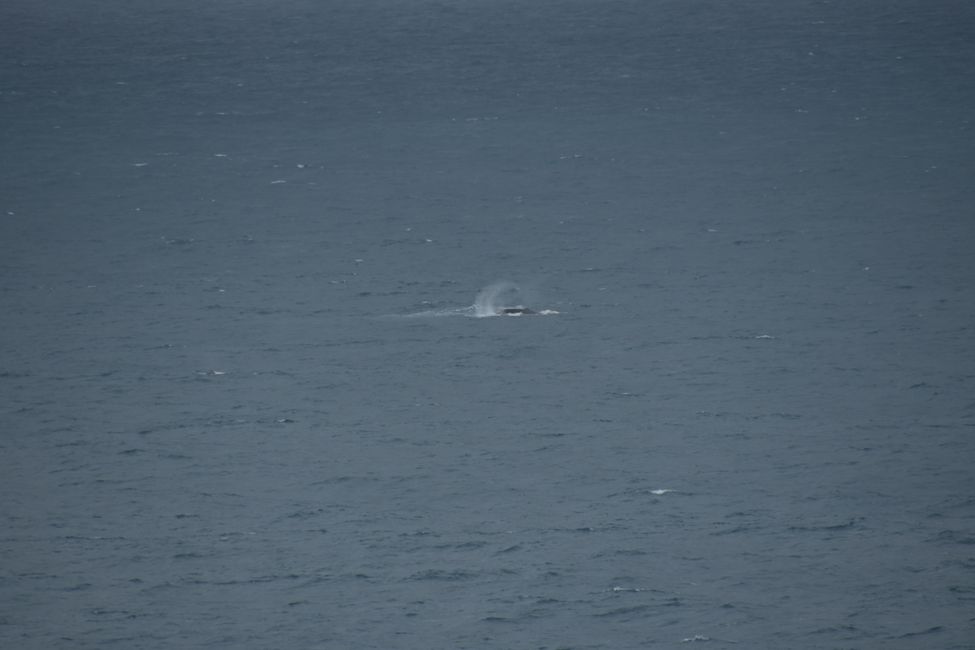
245,403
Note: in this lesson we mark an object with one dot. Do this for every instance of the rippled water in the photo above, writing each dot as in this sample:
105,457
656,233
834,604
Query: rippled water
235,413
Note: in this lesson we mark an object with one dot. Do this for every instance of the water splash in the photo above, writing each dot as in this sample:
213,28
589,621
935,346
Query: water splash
503,298
494,298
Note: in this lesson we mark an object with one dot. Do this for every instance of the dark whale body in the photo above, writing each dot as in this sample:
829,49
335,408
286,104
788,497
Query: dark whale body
516,311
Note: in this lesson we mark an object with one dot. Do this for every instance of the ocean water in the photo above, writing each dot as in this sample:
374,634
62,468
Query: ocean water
255,391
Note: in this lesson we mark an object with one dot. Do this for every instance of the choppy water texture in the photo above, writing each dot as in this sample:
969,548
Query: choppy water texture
750,424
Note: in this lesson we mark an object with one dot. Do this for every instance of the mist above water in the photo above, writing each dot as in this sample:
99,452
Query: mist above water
494,298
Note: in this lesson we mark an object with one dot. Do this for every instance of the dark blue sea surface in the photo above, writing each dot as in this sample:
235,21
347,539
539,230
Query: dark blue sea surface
249,397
